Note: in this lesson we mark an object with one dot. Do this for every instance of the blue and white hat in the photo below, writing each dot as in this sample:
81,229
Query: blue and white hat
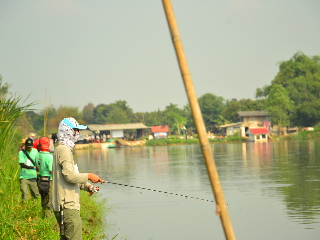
72,123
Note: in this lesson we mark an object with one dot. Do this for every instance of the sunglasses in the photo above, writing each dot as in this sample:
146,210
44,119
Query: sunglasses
76,129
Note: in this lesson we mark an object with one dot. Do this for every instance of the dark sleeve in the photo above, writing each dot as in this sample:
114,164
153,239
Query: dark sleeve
23,165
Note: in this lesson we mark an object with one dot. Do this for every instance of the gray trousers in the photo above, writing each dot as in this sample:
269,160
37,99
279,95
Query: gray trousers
25,184
72,224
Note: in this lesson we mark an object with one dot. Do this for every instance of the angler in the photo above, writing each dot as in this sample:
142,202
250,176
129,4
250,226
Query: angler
67,181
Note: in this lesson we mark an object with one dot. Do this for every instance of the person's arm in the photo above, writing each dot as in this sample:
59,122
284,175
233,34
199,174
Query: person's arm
66,162
65,159
50,162
36,159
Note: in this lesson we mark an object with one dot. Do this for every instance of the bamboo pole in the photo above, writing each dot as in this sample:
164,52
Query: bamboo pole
45,115
222,210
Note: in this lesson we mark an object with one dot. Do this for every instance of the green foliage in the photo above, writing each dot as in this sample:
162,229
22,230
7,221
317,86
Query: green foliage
188,115
279,105
3,87
35,119
236,138
174,117
300,76
212,107
92,215
151,118
307,113
17,220
87,113
170,141
100,113
230,112
10,111
118,112
173,140
308,134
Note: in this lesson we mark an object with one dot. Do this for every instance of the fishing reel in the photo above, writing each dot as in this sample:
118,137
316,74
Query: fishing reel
93,189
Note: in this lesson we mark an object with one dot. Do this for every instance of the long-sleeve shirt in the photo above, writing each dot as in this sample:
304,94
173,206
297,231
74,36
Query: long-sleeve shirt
66,180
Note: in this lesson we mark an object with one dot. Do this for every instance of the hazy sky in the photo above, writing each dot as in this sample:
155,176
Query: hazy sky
100,51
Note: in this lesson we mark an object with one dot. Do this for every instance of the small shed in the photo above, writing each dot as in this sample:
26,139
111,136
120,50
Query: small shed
258,134
160,131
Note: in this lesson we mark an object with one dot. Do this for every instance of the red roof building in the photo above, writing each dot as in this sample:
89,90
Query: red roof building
258,134
160,131
157,129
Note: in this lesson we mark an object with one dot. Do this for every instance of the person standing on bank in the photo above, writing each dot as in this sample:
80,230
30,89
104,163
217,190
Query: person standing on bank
67,181
44,166
28,173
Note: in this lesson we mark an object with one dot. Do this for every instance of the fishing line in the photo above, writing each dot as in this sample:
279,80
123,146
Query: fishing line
153,190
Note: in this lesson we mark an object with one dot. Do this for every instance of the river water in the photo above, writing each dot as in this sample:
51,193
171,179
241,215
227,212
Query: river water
272,190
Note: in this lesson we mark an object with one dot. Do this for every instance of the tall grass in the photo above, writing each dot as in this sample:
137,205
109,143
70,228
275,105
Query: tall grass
20,220
10,111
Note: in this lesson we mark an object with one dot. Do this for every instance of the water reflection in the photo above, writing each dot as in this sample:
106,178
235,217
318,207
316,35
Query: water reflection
265,184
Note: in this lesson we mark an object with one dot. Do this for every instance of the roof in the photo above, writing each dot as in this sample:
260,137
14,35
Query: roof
157,129
258,130
231,125
85,132
252,114
124,126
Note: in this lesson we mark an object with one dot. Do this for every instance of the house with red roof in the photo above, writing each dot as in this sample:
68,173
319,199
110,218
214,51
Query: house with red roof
258,134
247,119
160,131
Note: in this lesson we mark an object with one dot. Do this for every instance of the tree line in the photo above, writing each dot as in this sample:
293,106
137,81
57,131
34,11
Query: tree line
292,99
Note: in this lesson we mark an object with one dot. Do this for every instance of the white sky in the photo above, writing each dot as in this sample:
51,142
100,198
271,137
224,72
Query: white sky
100,51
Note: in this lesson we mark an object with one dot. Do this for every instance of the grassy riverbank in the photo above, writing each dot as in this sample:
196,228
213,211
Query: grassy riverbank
23,220
173,140
20,220
305,135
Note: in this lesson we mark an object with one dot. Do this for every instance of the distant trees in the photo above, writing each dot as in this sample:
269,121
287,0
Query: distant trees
154,118
100,113
212,107
293,98
230,112
118,112
174,117
279,105
300,76
87,113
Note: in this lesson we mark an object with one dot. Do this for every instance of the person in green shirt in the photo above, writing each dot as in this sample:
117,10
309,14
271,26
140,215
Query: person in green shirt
44,165
28,173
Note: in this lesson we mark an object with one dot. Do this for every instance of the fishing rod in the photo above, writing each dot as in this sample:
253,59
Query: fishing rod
154,190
